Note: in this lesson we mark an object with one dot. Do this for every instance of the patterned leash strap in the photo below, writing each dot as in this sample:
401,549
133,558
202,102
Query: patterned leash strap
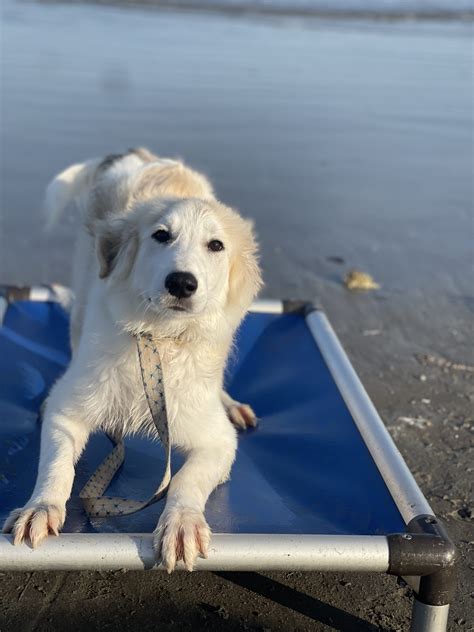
91,494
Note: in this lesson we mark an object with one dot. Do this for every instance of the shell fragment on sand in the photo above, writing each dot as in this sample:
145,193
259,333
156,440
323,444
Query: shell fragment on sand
357,280
417,422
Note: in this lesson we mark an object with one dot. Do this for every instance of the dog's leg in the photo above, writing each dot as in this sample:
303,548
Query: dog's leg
241,415
63,438
182,532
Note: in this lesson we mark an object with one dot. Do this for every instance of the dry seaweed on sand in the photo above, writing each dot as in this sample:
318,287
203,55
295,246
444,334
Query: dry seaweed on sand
443,363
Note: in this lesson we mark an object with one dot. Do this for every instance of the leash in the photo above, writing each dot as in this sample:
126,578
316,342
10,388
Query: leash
95,503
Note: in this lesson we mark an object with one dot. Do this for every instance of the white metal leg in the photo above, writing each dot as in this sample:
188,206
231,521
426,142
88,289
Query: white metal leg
429,618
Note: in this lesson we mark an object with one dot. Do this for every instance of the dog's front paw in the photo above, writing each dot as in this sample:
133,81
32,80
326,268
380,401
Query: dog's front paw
181,534
35,522
242,415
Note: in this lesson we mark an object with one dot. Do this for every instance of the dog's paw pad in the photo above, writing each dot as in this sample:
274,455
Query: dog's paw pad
181,534
34,523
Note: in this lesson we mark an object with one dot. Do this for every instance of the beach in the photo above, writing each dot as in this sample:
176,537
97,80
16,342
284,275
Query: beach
349,143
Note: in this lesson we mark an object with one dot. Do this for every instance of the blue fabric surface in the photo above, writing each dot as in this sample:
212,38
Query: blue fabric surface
305,469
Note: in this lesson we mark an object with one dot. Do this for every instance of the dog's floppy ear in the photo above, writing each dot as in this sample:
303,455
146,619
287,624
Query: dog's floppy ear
245,279
116,247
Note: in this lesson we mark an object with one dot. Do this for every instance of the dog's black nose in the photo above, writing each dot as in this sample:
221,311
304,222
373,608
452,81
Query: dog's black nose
181,284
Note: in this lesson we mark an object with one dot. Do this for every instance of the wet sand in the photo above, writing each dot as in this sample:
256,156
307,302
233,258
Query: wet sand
350,144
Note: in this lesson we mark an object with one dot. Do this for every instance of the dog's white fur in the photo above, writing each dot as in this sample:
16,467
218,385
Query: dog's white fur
119,284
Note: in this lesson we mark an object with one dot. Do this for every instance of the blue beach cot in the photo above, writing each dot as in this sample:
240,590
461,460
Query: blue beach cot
319,485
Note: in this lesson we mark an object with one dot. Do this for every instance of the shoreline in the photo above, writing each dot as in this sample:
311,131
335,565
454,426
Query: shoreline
370,15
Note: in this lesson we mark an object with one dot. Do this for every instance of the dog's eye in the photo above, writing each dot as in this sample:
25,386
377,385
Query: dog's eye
162,235
215,245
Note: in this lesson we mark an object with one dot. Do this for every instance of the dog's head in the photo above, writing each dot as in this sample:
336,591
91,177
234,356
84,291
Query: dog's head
180,260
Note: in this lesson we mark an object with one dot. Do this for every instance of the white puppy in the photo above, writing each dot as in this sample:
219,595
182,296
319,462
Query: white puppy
159,254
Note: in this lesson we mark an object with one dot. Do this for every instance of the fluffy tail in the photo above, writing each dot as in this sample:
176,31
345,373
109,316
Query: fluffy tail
70,185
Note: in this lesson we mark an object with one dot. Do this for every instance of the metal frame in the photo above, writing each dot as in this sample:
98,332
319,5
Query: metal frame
227,552
398,478
424,553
